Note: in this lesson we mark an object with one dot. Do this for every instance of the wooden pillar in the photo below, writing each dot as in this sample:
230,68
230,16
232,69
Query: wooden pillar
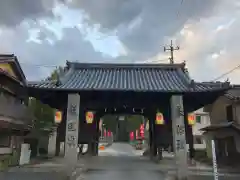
72,127
58,141
153,146
97,135
191,144
150,140
179,136
189,137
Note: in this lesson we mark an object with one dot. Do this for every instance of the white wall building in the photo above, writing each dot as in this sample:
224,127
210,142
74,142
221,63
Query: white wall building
202,120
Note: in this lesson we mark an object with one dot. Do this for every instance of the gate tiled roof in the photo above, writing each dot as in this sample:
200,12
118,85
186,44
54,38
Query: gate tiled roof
127,77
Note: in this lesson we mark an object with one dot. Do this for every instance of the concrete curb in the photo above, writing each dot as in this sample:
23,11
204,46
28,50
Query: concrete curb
201,170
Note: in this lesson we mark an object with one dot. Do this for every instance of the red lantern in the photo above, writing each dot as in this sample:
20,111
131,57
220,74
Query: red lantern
142,130
131,136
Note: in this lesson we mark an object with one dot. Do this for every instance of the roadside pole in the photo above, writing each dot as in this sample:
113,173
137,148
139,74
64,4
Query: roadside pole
214,159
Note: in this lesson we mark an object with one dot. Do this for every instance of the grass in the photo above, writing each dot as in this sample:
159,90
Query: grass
4,162
201,156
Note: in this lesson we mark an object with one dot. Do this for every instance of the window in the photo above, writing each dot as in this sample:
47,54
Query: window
5,140
198,119
229,113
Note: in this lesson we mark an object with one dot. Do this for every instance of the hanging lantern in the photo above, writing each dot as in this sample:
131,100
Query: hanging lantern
89,117
159,119
191,119
131,135
58,117
142,130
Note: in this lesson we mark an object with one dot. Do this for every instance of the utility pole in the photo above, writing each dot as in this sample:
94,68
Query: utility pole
171,49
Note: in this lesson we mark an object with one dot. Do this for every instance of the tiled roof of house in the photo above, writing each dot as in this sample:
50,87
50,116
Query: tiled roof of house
233,93
13,60
214,127
128,77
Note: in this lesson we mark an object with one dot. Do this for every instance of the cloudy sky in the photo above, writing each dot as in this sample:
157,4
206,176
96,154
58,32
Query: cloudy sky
46,33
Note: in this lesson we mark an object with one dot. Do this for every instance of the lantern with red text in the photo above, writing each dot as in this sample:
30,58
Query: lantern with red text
159,119
191,119
58,117
89,117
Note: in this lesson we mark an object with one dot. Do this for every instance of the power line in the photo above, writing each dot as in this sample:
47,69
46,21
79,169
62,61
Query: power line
178,12
171,49
227,73
39,65
152,61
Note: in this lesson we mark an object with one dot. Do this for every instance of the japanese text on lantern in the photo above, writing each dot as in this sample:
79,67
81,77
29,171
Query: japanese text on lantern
159,119
191,119
89,117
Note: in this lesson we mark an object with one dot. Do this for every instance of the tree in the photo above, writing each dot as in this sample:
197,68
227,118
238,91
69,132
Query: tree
110,122
56,73
133,122
44,114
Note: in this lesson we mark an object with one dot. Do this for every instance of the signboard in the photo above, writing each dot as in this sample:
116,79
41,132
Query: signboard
136,133
58,117
159,119
191,119
89,117
100,124
147,125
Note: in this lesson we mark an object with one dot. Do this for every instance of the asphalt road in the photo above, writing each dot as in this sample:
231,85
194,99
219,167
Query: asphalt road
118,162
121,161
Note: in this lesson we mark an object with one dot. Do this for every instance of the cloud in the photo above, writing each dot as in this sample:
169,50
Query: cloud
153,22
133,30
72,46
211,45
13,12
208,44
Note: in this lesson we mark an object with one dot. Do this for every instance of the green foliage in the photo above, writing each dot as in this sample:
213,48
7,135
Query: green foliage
110,122
4,162
56,73
44,114
133,122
